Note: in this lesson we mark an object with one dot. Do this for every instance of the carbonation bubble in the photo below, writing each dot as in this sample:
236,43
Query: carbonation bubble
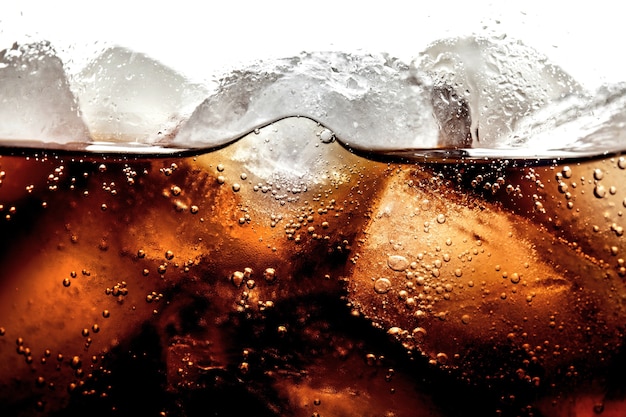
327,136
269,274
515,278
465,318
598,174
442,358
397,262
599,191
567,172
441,218
237,278
382,285
75,362
419,334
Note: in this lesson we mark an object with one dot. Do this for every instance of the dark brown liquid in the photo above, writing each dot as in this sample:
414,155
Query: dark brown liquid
220,285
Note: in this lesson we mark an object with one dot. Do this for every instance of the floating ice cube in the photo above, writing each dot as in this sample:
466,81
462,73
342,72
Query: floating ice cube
500,81
36,104
129,97
583,124
370,102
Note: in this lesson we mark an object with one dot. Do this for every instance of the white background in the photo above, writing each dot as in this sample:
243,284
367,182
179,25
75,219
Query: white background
201,38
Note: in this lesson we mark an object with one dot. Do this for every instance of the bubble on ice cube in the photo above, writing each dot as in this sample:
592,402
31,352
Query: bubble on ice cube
370,102
497,80
36,103
126,96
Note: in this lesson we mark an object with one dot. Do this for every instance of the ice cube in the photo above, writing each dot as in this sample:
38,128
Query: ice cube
501,81
36,104
369,101
584,124
127,96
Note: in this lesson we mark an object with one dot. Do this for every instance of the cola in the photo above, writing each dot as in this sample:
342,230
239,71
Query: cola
330,234
307,279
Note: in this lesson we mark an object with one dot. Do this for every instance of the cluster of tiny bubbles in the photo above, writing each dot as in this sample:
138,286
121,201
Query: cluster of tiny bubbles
237,278
154,297
55,177
10,212
119,290
167,171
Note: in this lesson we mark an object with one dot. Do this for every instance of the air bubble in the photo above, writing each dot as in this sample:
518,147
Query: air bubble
237,278
269,274
419,334
567,172
598,174
599,191
327,136
382,285
397,262
441,218
442,358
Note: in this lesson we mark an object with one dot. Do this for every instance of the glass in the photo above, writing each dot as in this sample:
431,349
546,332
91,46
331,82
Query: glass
381,229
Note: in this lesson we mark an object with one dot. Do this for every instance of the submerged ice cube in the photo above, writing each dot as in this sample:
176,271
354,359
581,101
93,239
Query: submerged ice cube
126,96
36,103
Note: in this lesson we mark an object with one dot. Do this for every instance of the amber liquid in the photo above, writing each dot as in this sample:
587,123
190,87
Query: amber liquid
334,285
